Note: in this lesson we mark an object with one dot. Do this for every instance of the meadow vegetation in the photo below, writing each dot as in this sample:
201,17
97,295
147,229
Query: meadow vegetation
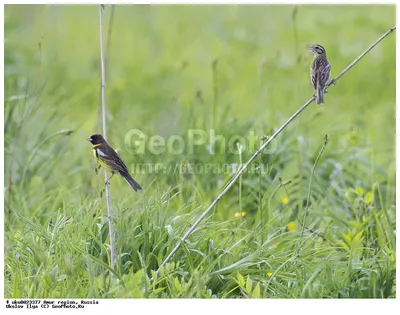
236,70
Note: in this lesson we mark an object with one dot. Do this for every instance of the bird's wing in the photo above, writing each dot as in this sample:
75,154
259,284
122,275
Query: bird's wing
111,158
325,73
313,74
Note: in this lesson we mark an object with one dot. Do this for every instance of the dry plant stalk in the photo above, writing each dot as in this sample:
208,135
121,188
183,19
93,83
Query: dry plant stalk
103,111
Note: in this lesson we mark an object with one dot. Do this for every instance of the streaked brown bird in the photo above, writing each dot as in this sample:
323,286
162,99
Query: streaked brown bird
320,71
110,160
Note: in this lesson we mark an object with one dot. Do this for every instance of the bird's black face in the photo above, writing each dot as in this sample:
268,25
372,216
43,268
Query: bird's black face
96,139
317,49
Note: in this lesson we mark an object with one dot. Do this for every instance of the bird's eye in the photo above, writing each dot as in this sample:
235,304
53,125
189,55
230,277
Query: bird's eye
319,49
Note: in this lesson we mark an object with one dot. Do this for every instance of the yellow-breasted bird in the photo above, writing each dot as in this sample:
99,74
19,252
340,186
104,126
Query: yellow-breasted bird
110,160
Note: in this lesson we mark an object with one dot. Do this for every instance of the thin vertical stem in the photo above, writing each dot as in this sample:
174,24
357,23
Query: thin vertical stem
240,148
215,92
110,27
310,183
103,110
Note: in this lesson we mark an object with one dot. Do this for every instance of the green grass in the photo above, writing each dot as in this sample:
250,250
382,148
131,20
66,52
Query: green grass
240,70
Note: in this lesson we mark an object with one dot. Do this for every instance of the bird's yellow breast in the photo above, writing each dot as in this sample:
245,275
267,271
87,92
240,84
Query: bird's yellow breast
100,161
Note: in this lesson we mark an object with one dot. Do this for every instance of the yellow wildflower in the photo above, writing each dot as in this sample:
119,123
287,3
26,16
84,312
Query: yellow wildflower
359,191
240,214
269,274
291,226
285,200
369,197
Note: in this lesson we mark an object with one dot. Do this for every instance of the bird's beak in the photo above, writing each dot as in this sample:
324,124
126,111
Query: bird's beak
89,139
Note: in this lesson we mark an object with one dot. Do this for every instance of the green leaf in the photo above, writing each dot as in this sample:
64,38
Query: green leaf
369,198
178,285
256,293
357,244
240,280
249,284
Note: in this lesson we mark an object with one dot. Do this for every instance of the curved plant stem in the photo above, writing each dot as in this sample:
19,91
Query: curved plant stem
65,132
303,224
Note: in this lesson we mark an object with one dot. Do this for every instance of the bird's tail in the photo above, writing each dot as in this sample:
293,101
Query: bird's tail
132,182
320,96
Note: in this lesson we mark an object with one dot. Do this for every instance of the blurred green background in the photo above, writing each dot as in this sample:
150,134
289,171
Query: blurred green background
235,69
